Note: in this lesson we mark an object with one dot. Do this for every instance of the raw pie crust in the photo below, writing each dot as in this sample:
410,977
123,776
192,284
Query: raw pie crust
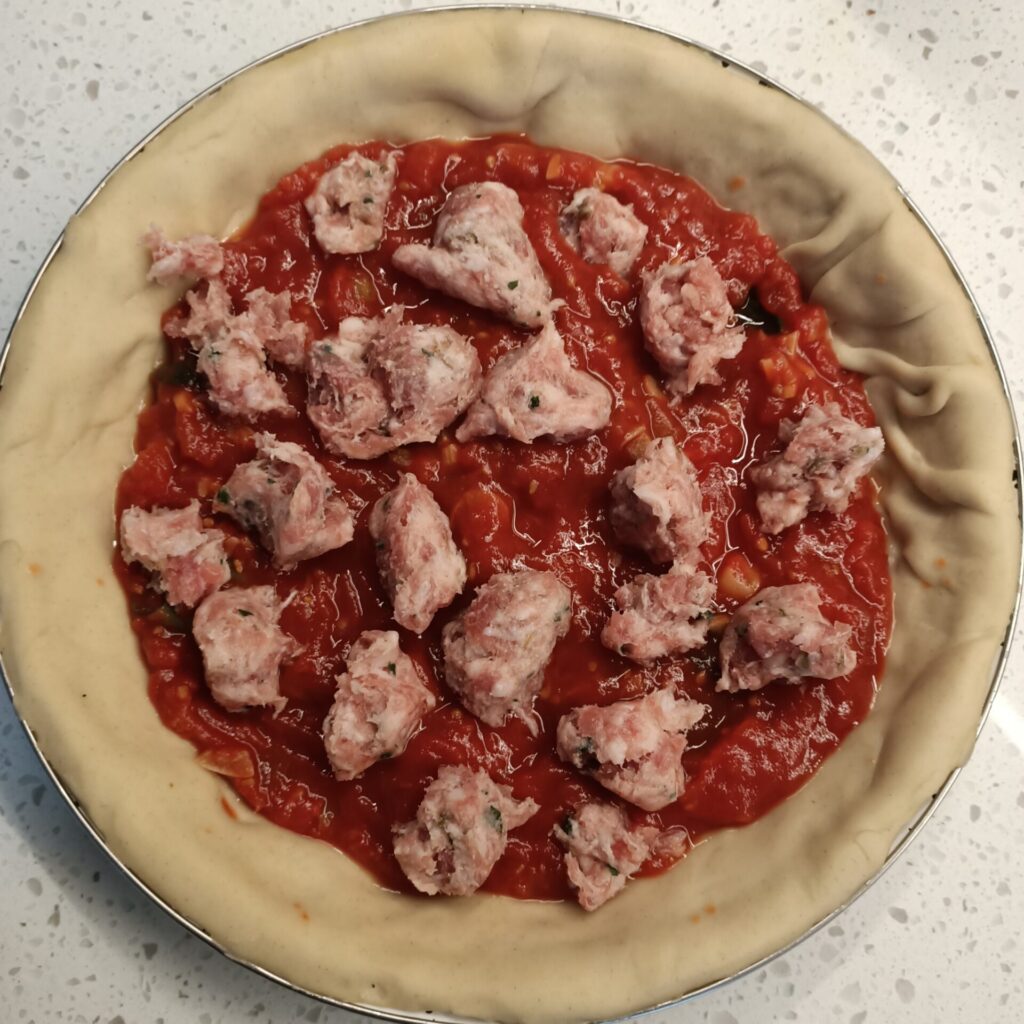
78,372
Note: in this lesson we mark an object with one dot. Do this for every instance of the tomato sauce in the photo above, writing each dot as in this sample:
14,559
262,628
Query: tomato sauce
511,506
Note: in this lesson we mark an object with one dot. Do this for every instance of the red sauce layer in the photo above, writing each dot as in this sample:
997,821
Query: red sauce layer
542,506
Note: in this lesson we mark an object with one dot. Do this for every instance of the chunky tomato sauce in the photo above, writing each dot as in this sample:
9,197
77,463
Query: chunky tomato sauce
511,506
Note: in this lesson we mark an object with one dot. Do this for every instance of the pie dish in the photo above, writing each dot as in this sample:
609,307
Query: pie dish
899,315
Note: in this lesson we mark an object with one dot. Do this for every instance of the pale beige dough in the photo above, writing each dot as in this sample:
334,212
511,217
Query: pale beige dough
77,375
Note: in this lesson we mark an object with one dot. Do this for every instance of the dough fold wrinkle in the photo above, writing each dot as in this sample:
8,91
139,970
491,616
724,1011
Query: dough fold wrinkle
599,86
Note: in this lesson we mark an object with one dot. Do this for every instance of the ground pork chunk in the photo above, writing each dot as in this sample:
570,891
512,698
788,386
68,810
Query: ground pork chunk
660,615
460,831
634,748
243,647
825,457
534,391
209,314
688,322
381,384
267,320
431,374
270,316
603,850
420,565
603,230
347,405
378,705
780,634
349,202
189,560
240,383
496,651
198,256
657,504
481,255
287,497
232,350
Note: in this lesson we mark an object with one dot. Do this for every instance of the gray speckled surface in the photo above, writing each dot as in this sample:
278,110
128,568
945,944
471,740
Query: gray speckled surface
935,93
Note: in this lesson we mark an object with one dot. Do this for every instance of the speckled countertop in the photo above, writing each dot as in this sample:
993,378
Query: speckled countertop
933,91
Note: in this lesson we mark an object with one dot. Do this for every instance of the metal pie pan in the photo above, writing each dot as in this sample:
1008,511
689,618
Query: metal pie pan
909,831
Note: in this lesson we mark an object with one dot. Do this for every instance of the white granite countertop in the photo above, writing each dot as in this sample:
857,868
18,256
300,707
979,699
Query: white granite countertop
933,91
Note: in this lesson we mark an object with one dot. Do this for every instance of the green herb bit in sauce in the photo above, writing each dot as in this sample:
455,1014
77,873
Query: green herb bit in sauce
170,619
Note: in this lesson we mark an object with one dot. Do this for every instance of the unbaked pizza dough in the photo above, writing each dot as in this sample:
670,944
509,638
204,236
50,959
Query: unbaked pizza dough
299,908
